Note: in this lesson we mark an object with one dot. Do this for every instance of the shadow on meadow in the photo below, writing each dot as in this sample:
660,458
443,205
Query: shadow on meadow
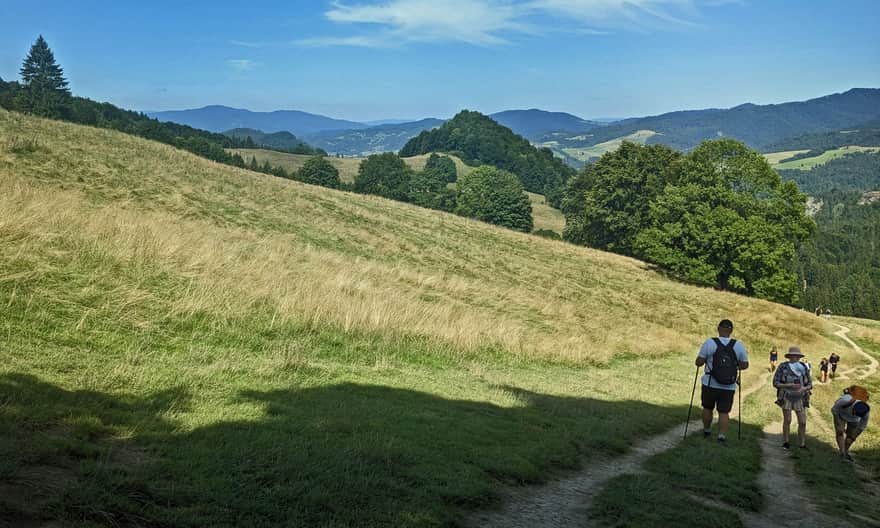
337,455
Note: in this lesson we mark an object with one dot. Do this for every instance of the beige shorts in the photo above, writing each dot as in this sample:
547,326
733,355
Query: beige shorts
793,405
851,429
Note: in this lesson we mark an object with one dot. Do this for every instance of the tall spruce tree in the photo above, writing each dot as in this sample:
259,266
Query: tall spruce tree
46,92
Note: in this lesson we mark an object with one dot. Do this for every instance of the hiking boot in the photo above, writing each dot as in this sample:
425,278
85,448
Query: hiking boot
804,448
786,446
848,458
707,434
722,440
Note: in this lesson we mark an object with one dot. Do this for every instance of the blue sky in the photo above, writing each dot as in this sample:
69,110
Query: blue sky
367,59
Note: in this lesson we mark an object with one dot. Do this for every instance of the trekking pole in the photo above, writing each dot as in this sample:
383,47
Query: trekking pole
739,427
691,406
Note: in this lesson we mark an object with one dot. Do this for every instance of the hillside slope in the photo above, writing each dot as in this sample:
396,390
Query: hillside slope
185,343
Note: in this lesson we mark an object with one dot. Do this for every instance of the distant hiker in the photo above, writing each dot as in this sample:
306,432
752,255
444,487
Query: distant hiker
774,357
818,311
792,381
828,313
724,358
851,412
823,370
833,359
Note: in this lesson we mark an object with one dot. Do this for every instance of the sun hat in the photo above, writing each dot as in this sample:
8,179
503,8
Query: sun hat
860,408
794,351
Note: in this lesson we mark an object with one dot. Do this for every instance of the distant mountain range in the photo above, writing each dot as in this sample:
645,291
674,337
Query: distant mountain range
217,118
755,125
568,135
372,140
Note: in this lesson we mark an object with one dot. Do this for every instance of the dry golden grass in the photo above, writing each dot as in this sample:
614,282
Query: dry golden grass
359,262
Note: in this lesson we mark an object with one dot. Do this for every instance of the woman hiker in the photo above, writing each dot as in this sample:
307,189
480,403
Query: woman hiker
823,370
774,357
851,412
792,380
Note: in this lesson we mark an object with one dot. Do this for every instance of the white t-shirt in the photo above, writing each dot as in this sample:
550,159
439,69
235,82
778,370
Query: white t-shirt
707,351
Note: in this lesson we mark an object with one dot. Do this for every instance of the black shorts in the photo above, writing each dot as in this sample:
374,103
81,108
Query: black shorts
834,367
712,397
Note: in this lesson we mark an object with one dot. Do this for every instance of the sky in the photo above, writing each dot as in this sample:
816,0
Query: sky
385,59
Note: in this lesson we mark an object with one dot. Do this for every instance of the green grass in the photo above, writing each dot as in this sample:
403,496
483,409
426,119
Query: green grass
698,481
828,155
187,344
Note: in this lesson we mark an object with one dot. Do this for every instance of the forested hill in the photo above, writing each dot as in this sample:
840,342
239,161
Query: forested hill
284,141
865,135
477,139
755,125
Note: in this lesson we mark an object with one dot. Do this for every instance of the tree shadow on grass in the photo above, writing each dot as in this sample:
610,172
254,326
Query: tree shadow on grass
335,455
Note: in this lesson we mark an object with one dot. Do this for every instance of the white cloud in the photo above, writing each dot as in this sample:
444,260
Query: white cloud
241,65
496,22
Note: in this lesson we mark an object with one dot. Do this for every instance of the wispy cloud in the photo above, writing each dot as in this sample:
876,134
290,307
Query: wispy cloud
498,22
241,65
250,44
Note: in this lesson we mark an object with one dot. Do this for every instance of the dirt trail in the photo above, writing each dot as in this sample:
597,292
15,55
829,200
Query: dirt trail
778,479
565,502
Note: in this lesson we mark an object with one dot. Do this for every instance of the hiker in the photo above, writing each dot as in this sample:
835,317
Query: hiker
823,370
792,382
828,313
833,359
851,412
774,357
723,358
818,311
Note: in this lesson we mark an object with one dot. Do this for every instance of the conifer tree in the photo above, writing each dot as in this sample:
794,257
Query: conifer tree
46,92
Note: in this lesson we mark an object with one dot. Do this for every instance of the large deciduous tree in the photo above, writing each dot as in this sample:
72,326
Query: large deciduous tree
318,171
608,203
726,219
384,175
495,196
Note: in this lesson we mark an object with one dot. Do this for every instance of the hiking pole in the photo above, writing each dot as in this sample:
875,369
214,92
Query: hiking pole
691,406
739,426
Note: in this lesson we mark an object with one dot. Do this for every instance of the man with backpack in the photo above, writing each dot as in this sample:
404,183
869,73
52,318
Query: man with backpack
723,358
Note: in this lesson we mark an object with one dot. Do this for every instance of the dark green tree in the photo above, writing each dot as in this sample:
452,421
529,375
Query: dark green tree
727,220
444,165
428,188
608,203
319,171
495,196
384,175
45,88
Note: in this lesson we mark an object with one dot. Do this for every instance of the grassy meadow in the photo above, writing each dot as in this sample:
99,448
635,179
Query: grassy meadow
595,151
828,155
184,343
